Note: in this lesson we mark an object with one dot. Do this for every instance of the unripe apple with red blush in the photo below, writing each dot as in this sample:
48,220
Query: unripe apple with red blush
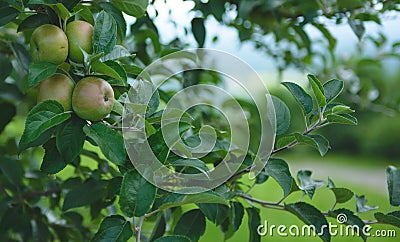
79,35
58,87
49,44
92,98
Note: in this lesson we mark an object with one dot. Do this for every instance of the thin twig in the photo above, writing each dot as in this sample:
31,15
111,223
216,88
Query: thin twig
139,228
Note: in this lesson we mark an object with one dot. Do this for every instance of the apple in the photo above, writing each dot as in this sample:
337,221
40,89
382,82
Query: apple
49,44
79,34
92,98
57,87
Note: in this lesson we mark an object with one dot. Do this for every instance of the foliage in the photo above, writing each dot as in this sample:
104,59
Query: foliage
110,201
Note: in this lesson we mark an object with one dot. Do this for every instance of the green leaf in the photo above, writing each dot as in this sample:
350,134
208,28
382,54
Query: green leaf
317,141
102,68
8,111
117,14
53,162
234,220
46,2
137,194
84,12
307,184
61,11
342,109
192,224
351,220
135,8
39,71
173,238
176,199
117,53
104,33
121,73
311,216
342,195
279,170
254,221
392,218
7,14
342,119
393,183
282,114
23,56
158,228
113,229
199,31
40,122
102,135
70,138
12,170
6,67
33,21
88,192
301,96
332,89
285,140
318,90
194,163
216,213
357,26
361,205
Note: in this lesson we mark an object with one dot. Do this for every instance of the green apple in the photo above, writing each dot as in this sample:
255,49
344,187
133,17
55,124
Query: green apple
79,34
57,87
93,98
49,44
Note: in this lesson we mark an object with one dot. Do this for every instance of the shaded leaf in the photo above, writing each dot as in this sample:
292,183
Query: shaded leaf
7,14
12,170
332,89
216,213
342,195
135,8
254,221
102,135
137,194
282,114
40,122
199,31
192,224
40,71
70,138
311,216
393,183
318,90
301,96
173,238
392,218
113,229
88,192
176,199
53,162
351,220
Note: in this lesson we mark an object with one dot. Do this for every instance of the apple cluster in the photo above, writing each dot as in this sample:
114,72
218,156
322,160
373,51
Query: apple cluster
92,98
